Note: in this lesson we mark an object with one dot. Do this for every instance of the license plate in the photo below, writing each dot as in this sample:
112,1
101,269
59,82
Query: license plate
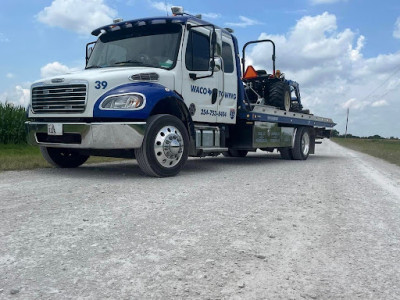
54,129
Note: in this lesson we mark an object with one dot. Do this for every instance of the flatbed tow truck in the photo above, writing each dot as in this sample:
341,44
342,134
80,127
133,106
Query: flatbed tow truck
162,89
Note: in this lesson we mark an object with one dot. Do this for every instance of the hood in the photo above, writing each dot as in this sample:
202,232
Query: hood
101,80
109,73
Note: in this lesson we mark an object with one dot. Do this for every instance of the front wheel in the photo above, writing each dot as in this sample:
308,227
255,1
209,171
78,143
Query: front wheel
165,147
63,158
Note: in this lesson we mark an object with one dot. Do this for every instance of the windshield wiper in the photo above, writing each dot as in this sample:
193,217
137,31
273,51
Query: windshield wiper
130,61
93,67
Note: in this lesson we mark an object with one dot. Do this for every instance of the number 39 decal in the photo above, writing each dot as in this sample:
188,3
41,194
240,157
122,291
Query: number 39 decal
100,84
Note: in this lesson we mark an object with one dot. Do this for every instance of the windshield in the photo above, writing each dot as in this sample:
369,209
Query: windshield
148,45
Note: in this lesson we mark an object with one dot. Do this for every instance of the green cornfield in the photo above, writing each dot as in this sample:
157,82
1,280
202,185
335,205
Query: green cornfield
12,127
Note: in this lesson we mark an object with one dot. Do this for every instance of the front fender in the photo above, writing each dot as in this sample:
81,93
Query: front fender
153,92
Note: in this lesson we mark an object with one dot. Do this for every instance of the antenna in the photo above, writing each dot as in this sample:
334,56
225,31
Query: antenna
347,121
166,7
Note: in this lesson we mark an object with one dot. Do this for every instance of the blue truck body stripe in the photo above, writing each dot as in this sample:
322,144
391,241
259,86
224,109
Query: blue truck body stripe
154,92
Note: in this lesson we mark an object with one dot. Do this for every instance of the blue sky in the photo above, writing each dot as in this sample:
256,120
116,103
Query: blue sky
344,53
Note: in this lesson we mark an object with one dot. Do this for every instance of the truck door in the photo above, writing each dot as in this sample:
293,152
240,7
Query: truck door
227,103
201,95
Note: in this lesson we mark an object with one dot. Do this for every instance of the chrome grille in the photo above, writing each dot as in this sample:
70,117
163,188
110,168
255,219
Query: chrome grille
59,98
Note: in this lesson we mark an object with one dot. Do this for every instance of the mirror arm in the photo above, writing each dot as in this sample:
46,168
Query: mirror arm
193,76
87,48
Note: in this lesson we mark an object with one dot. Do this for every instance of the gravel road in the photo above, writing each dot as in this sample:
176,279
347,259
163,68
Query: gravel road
224,228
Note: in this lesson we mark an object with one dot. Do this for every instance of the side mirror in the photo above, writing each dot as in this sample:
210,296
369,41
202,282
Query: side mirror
215,38
89,50
217,64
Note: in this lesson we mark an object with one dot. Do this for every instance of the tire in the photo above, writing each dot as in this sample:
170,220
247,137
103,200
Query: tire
286,153
279,95
63,158
235,153
296,107
165,147
302,144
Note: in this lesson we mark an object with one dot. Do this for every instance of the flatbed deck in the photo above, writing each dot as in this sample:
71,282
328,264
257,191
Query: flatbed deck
266,113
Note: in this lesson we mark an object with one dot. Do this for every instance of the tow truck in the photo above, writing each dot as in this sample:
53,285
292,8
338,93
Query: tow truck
165,88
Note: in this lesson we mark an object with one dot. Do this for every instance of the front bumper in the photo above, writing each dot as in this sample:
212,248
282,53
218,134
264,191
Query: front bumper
128,135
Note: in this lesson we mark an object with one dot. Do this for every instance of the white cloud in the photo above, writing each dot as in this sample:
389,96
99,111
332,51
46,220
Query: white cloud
244,22
379,103
355,104
10,75
334,75
162,6
355,54
3,38
18,95
316,44
211,15
81,16
396,31
54,69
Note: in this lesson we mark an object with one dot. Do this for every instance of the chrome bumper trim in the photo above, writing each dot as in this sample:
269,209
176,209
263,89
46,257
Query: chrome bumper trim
127,135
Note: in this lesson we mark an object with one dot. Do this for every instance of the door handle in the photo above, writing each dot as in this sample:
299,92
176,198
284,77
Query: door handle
214,96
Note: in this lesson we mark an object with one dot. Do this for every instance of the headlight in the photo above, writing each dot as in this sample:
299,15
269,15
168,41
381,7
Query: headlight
124,101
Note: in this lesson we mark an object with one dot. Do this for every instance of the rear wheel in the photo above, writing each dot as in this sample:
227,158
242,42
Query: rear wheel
63,158
235,153
279,95
302,144
165,147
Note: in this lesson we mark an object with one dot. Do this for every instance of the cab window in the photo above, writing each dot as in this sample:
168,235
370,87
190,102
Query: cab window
227,57
197,56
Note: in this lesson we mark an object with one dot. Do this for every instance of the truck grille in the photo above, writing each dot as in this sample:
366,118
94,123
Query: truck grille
59,99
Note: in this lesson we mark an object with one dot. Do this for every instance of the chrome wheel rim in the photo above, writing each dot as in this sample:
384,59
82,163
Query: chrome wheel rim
168,146
305,143
287,101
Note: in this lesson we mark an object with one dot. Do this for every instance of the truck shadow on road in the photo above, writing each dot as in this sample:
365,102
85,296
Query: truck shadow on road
130,169
269,160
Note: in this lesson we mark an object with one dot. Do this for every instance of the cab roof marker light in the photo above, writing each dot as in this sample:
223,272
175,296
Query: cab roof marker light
130,24
177,10
114,28
161,21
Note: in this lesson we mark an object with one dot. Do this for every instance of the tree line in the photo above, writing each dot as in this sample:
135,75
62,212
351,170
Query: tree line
337,134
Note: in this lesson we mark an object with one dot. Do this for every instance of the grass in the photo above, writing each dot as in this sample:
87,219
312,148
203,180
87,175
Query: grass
12,127
15,154
388,150
23,157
